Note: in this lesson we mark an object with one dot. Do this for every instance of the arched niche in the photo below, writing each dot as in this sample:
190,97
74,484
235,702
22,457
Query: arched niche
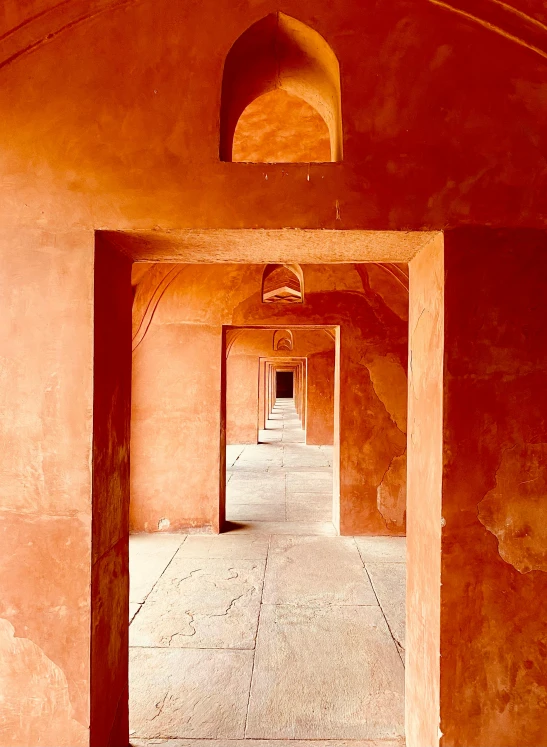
280,128
283,339
282,284
279,52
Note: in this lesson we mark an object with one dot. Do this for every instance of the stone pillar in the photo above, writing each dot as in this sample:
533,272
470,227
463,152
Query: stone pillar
271,389
477,565
63,571
320,398
303,392
46,399
262,394
297,388
242,374
176,452
111,479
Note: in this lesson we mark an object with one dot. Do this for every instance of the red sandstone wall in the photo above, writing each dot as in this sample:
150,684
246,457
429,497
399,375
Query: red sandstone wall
175,428
150,156
320,399
46,287
106,125
424,496
494,568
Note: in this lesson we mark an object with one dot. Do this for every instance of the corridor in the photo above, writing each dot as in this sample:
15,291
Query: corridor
274,633
280,485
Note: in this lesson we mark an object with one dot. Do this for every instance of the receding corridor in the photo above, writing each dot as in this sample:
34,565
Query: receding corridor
280,485
277,630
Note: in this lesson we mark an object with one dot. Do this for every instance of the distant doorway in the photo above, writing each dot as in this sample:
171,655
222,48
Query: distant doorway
284,384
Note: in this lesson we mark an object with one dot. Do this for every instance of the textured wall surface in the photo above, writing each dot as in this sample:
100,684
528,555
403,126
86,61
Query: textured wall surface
45,435
494,583
444,118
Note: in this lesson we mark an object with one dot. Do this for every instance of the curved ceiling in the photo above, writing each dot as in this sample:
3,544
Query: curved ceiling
110,117
25,27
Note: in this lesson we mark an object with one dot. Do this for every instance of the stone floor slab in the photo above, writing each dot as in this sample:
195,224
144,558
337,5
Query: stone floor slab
298,459
259,512
269,436
236,496
389,582
134,607
202,603
316,571
309,482
382,549
267,743
306,685
232,453
189,692
265,480
303,512
304,528
150,555
322,500
309,507
225,546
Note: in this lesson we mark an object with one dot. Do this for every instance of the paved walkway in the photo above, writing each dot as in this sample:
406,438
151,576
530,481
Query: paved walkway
280,486
276,633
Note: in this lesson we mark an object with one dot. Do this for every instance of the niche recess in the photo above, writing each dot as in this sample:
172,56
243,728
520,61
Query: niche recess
282,284
283,339
280,95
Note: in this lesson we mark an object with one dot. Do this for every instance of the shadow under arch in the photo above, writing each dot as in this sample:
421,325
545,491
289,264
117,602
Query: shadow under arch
280,52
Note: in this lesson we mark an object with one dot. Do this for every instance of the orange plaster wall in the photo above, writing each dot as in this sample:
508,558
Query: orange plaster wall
129,137
320,399
494,569
242,398
177,384
424,489
46,286
175,428
106,125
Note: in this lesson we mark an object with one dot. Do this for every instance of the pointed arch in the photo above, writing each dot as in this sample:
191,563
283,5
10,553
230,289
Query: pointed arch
281,52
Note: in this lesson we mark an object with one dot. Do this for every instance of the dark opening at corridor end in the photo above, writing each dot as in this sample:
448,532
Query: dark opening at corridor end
284,384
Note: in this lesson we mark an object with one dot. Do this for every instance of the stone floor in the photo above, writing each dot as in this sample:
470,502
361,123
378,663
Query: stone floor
281,485
277,632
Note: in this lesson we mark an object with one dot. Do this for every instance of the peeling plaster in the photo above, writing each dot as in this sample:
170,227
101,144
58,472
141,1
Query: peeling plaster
391,493
389,380
40,713
515,510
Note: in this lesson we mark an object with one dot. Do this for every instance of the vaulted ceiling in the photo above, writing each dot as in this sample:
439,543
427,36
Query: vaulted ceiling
110,116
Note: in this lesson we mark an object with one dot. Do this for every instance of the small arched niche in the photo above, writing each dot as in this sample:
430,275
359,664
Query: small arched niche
282,284
283,339
281,97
